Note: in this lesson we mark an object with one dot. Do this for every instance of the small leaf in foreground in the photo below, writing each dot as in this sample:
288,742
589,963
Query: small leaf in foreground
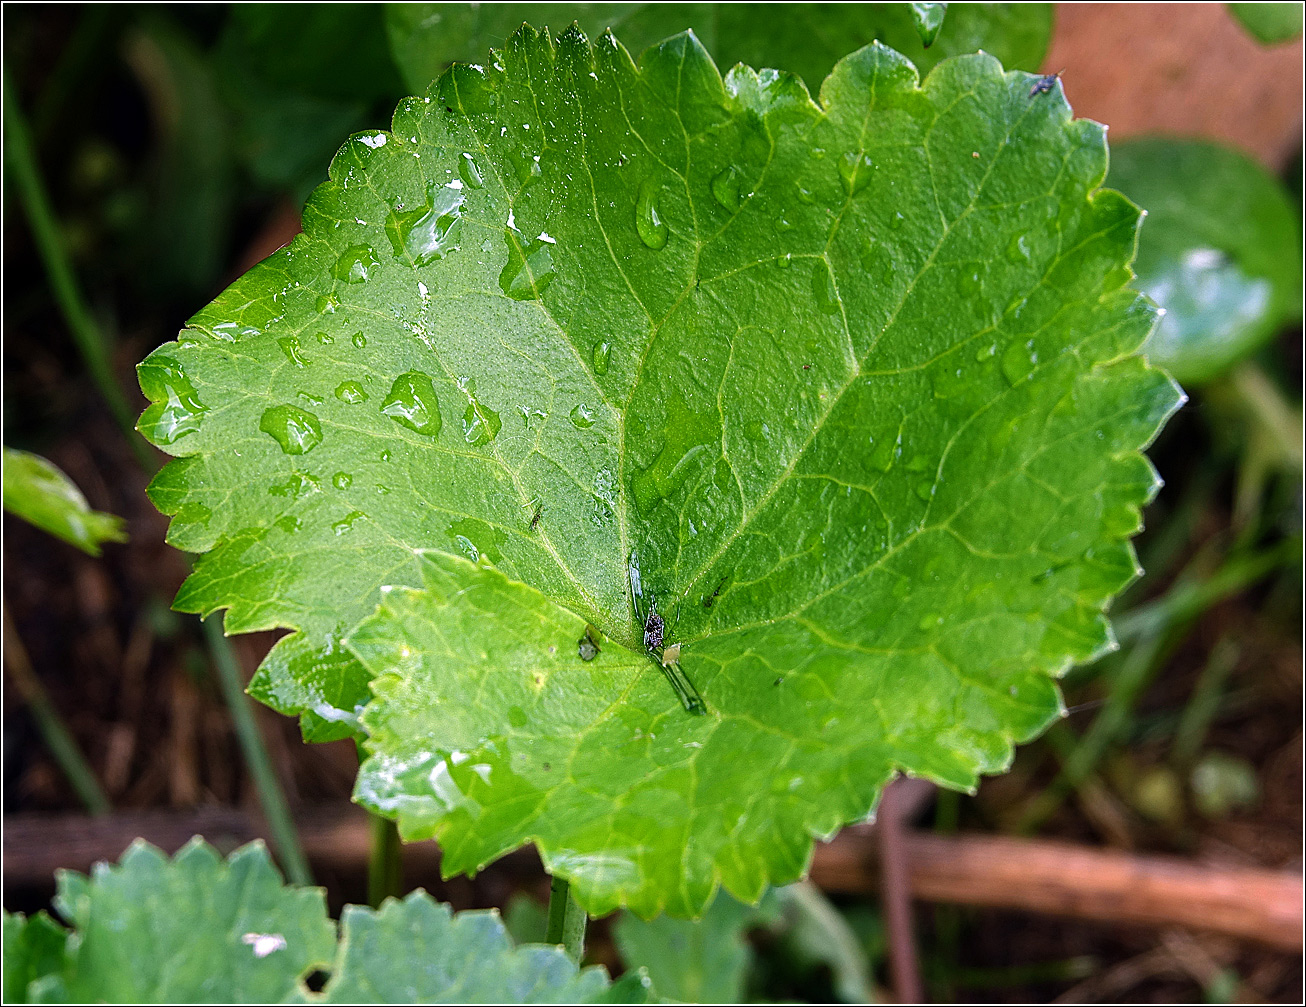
1220,251
200,929
187,930
38,492
418,951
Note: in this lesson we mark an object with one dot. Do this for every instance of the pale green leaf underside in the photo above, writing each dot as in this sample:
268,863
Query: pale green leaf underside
38,492
848,383
200,929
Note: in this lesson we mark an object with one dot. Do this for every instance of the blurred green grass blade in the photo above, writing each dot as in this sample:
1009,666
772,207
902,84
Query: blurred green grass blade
63,747
284,835
20,158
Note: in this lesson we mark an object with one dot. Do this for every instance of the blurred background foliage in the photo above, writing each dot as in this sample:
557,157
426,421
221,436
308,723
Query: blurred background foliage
177,144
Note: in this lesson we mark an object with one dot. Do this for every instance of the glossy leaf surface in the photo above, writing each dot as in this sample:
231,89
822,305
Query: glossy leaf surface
1220,251
806,39
842,390
38,492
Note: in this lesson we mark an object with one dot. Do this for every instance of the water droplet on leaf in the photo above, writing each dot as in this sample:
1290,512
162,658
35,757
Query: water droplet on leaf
430,231
290,347
481,424
827,300
1018,361
648,222
299,484
351,392
581,417
296,430
855,171
346,523
412,403
470,172
725,188
690,436
529,268
885,452
357,264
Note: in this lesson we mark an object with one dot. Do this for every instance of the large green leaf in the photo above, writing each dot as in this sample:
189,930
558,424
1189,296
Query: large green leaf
844,390
198,929
37,491
1220,251
804,38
